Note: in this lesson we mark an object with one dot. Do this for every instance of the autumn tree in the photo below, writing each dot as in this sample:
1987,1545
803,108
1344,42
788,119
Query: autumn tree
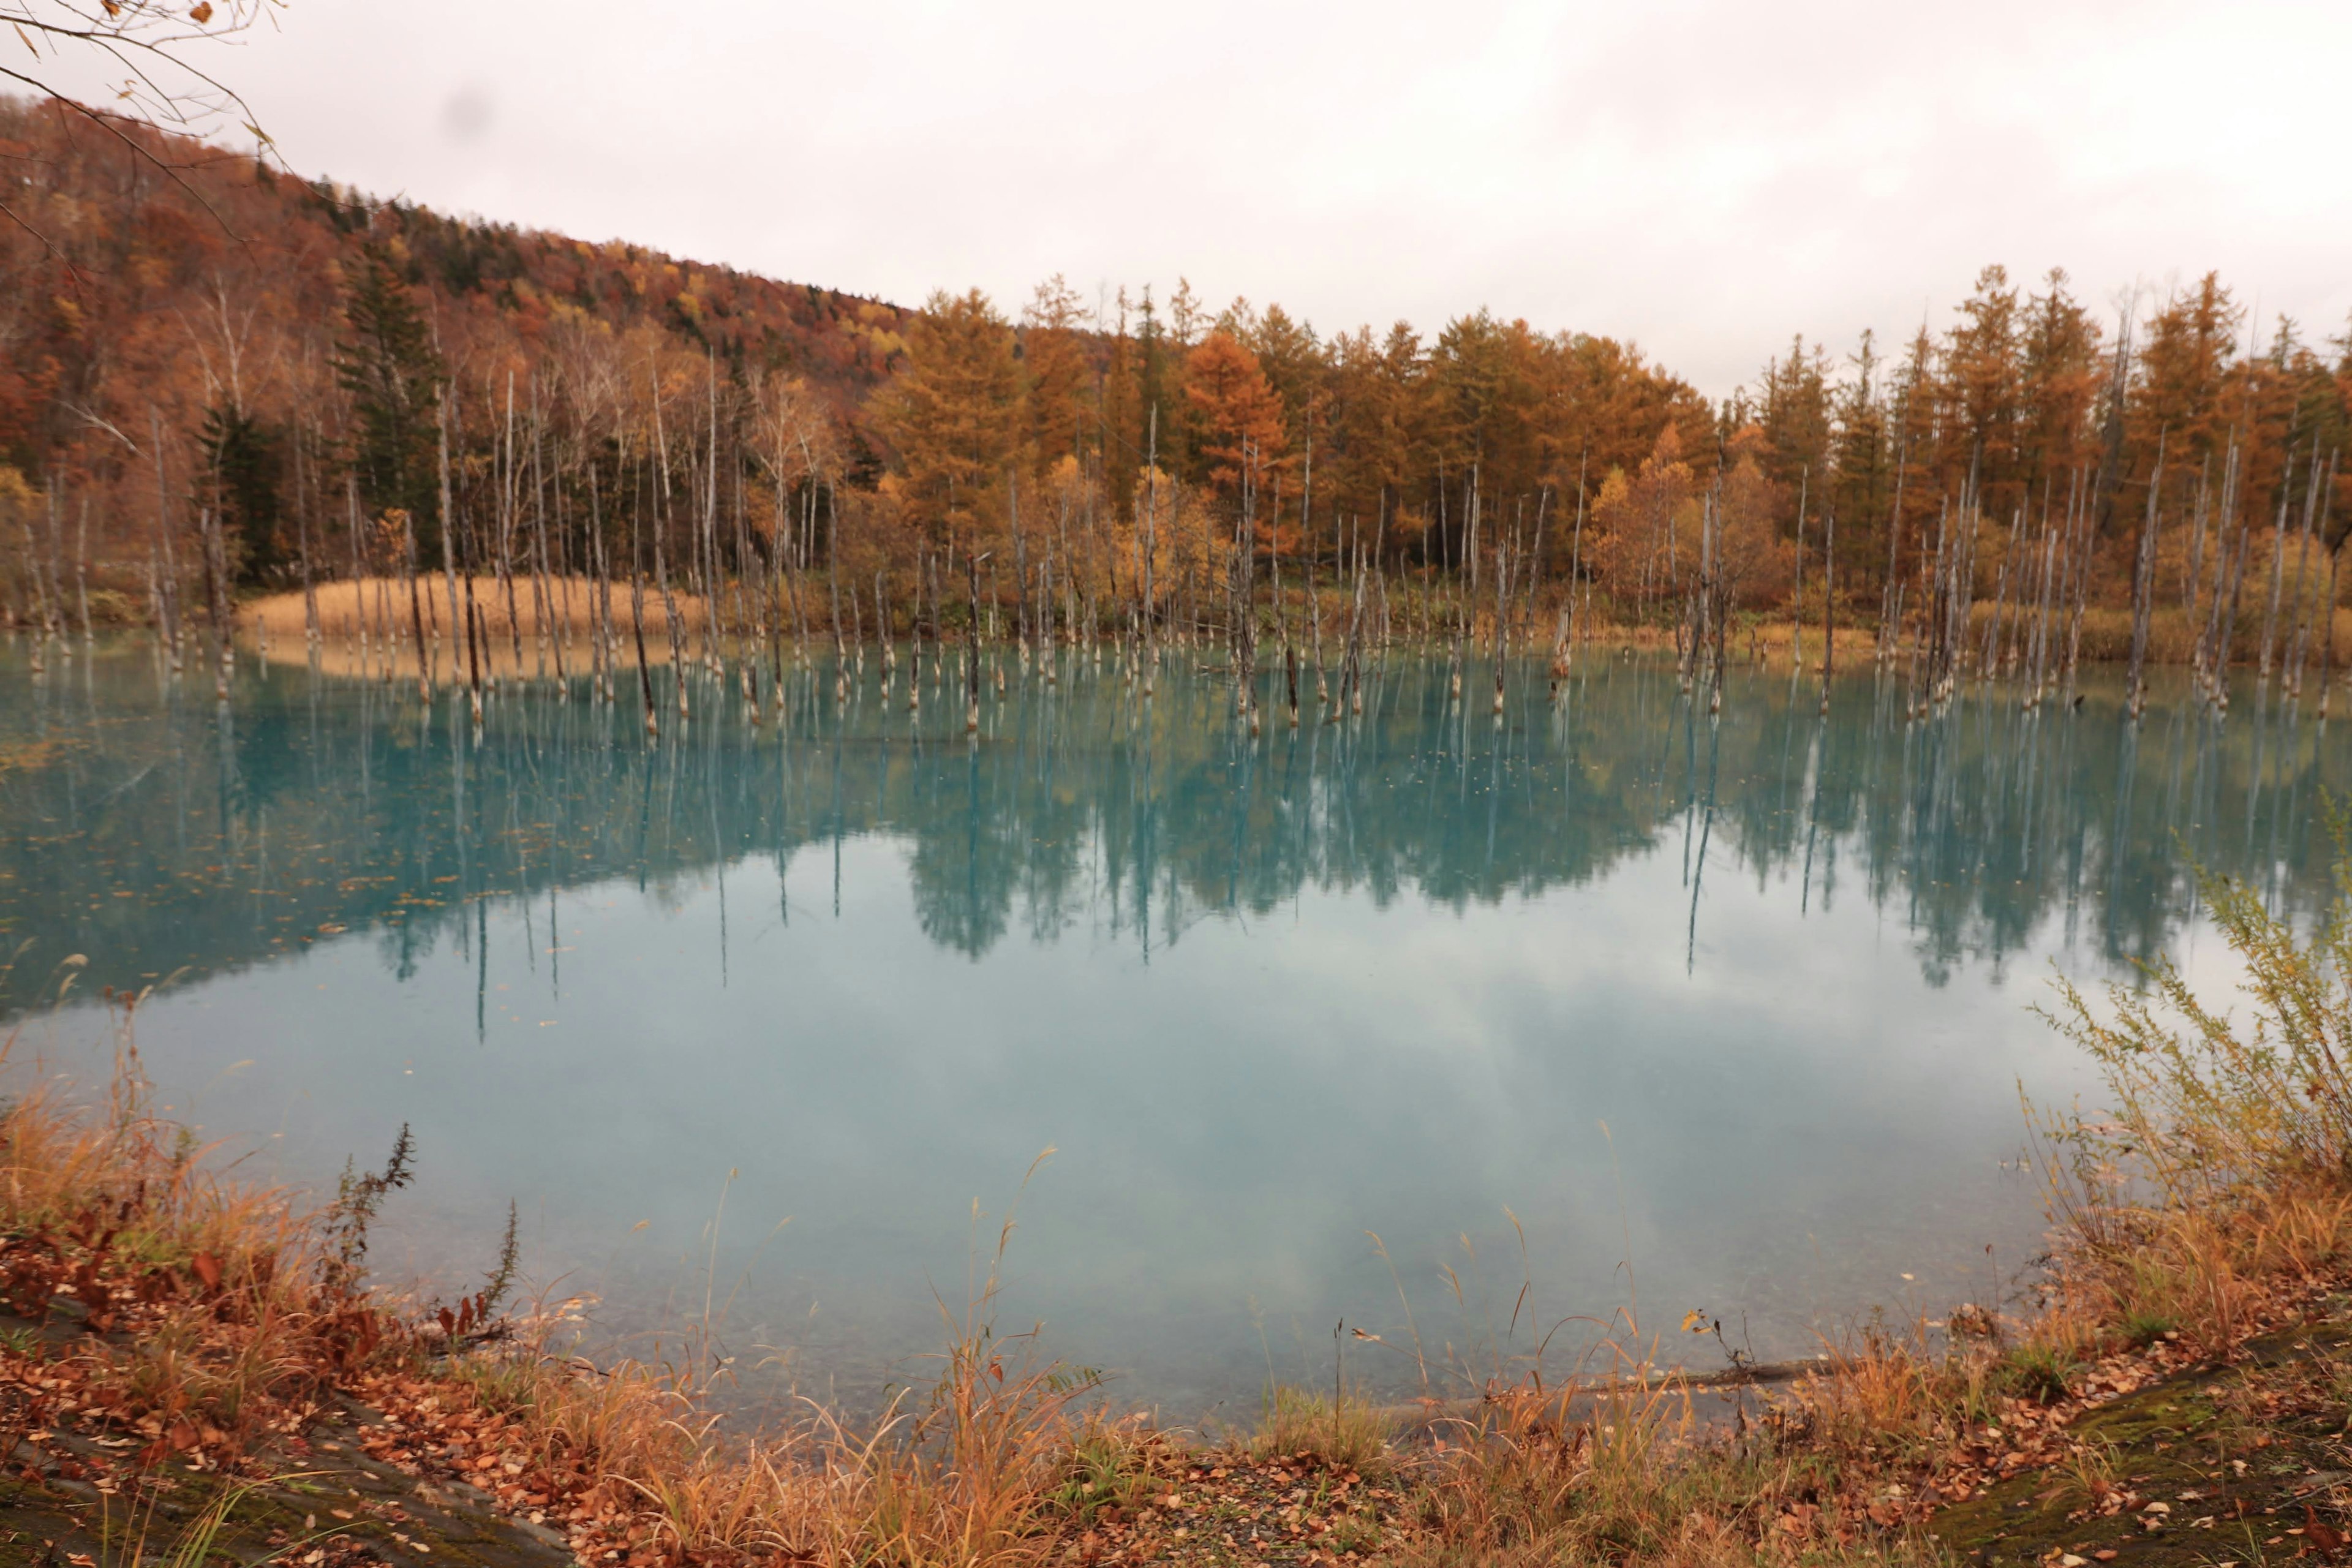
1291,357
1239,418
1375,427
2188,357
1486,405
1981,389
1756,563
952,415
2060,372
1638,545
1055,355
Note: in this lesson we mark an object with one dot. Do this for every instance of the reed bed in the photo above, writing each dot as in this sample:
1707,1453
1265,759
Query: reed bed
346,609
378,610
369,627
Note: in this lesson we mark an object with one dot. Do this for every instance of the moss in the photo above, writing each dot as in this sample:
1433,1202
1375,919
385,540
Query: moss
2227,1485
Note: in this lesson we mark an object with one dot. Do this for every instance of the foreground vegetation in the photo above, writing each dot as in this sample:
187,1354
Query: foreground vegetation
196,1368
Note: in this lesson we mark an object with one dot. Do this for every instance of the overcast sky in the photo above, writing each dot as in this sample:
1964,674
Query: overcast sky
1703,177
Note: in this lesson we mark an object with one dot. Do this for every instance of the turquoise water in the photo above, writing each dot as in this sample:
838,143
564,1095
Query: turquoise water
1729,1013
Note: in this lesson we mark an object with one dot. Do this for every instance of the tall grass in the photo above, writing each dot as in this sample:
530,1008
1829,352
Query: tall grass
119,1215
2223,1165
226,1309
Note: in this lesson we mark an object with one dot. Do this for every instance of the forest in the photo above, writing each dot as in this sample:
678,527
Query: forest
219,381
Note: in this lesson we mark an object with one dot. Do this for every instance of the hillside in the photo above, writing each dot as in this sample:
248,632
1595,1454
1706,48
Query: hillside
214,376
149,270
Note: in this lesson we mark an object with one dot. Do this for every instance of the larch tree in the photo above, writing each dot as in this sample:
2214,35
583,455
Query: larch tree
1056,356
1981,388
1795,415
1240,418
951,416
2061,371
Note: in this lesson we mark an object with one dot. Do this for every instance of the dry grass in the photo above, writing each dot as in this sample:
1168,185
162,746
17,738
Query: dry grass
375,605
1002,1462
223,1315
1765,636
342,606
2214,1205
1295,1425
219,1289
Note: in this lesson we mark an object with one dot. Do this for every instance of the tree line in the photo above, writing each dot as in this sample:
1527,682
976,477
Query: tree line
215,379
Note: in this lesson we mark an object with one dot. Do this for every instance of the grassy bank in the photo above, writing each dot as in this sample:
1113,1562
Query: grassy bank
195,1367
517,615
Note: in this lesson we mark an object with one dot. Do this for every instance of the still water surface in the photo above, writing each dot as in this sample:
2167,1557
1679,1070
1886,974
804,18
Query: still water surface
1730,1013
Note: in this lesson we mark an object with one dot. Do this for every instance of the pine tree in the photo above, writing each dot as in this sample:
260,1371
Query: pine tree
1862,485
1796,417
243,466
385,360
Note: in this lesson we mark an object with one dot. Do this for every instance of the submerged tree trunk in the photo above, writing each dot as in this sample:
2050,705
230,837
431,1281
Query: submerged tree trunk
2144,590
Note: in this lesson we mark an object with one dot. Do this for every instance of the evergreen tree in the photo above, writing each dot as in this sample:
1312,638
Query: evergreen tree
385,360
1863,487
1797,415
243,465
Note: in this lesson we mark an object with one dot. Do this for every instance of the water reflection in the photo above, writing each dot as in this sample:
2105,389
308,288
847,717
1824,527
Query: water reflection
1265,993
157,831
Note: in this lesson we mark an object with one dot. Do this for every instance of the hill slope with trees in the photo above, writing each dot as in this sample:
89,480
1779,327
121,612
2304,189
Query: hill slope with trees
214,376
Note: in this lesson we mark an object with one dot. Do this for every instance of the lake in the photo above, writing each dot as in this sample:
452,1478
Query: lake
1639,1010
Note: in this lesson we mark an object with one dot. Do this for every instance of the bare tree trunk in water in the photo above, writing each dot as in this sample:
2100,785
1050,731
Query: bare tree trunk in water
2328,638
1829,600
416,604
1150,547
2143,589
1797,596
1502,602
2278,565
2299,638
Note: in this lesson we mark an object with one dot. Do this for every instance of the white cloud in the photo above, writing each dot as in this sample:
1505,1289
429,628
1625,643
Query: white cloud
1703,177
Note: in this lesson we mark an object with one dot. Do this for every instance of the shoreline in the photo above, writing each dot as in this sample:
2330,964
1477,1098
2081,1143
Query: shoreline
173,1337
274,623
213,1353
425,1449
